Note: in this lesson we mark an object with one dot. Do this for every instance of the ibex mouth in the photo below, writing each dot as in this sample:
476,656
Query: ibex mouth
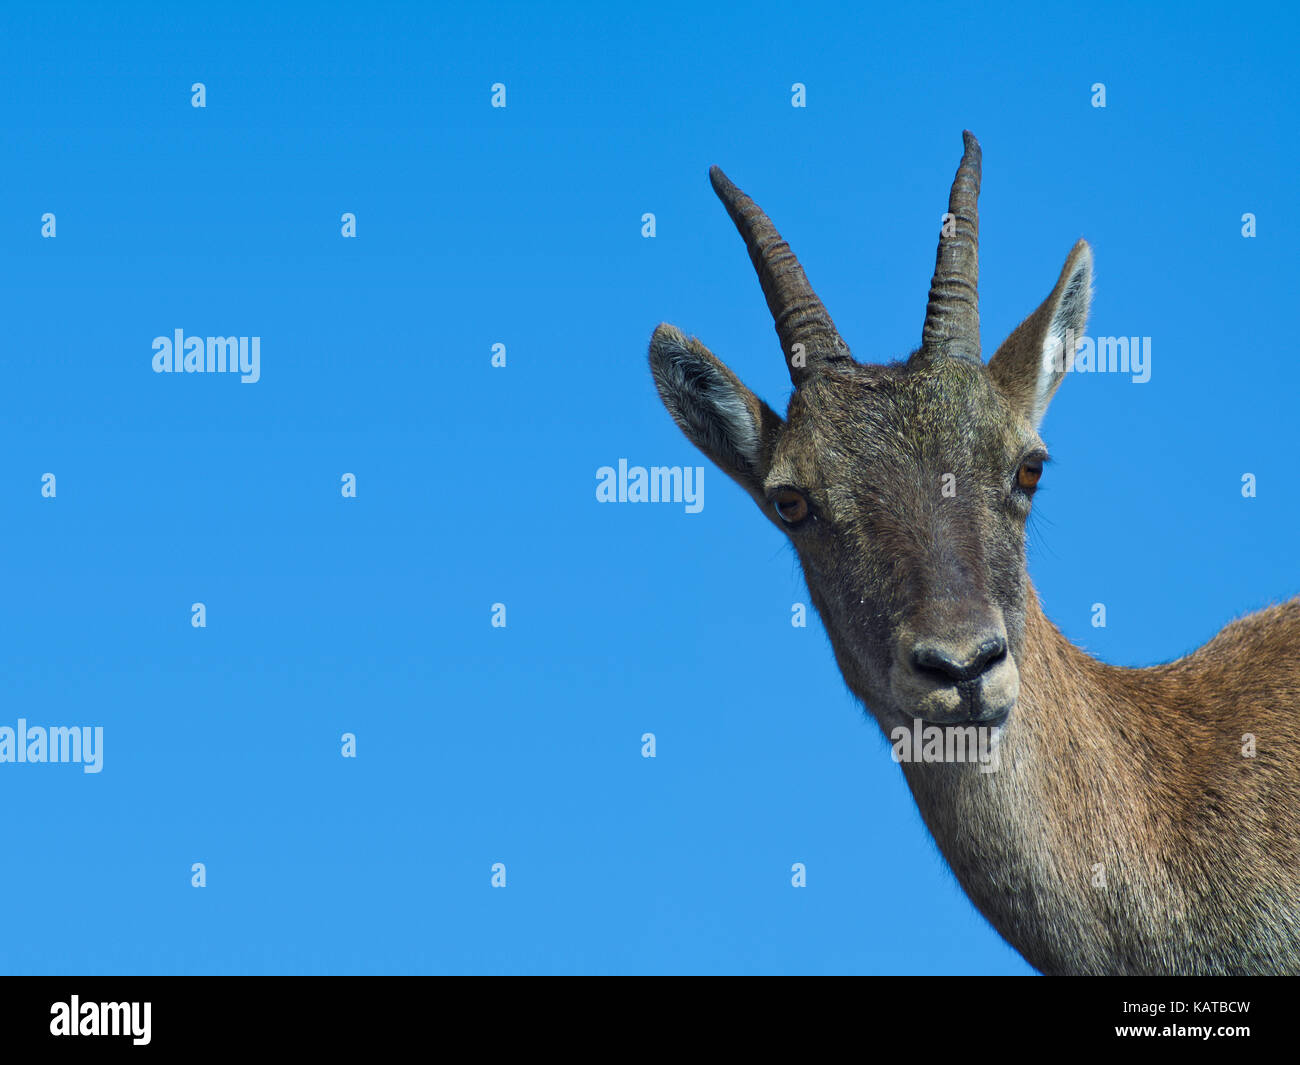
956,705
955,681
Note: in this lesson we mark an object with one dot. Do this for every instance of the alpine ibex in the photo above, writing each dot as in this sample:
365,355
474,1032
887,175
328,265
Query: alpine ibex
1125,830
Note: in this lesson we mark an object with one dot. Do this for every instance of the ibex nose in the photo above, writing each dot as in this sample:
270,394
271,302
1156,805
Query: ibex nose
956,663
962,669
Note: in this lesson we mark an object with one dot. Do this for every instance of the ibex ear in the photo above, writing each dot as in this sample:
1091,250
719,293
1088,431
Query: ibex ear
1033,360
722,417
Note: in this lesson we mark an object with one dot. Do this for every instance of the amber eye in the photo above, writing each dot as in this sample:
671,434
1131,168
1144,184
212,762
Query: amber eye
1029,473
791,505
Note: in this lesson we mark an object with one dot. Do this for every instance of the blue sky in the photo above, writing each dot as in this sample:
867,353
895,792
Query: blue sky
522,226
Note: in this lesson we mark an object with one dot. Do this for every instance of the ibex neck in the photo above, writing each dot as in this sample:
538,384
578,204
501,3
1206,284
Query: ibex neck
1131,825
1035,841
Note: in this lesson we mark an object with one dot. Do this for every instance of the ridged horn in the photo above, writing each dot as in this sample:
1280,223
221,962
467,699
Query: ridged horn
952,317
799,315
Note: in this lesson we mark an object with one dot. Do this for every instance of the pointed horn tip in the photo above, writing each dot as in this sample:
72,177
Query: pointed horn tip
721,183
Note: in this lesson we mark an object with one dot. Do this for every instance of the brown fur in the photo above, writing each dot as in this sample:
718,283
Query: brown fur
1125,831
1142,772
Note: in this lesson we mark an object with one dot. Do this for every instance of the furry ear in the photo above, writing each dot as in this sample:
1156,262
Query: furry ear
719,415
1033,360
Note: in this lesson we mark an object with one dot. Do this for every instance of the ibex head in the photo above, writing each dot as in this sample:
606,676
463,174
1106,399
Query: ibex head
904,487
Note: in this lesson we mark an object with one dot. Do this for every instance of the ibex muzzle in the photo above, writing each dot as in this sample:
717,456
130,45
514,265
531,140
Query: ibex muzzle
956,672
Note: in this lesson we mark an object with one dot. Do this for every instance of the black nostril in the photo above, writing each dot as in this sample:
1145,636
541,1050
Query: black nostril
933,658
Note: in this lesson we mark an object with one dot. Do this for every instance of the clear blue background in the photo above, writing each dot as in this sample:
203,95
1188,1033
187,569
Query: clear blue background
476,485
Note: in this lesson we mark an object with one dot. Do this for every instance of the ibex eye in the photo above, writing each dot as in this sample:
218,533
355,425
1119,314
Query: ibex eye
791,505
1029,473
